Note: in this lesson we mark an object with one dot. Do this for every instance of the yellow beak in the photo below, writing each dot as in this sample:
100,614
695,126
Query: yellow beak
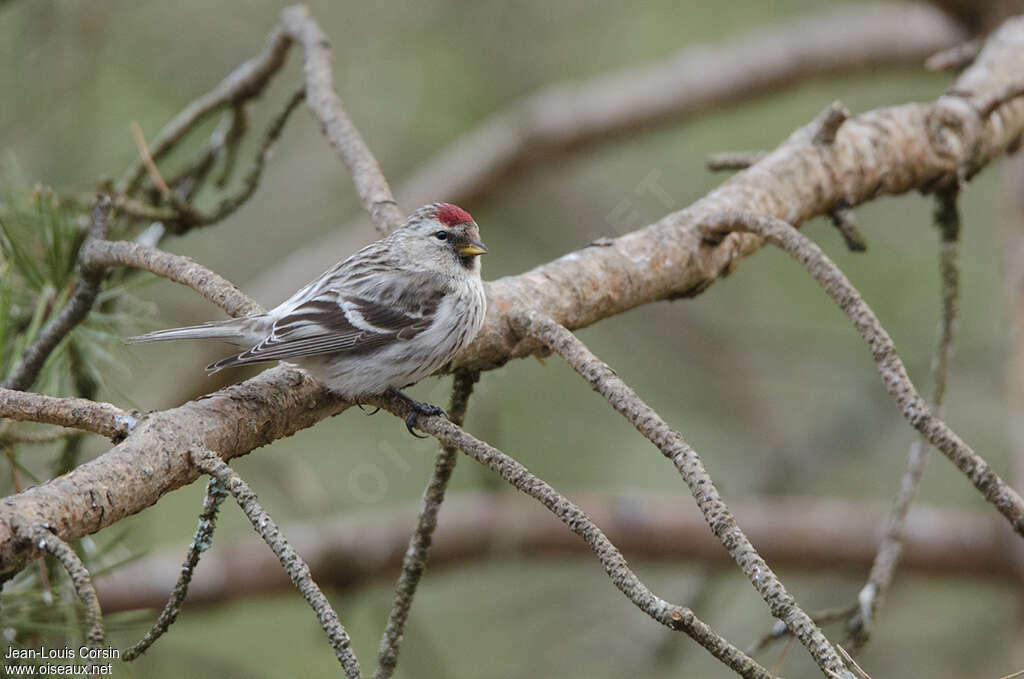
473,247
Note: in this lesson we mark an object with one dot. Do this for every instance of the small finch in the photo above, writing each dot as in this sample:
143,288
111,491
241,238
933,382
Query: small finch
386,317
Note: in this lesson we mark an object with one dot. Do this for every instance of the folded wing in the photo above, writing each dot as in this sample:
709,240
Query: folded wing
346,322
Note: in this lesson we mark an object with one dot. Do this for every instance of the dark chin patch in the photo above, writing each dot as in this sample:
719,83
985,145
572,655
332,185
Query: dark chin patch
466,262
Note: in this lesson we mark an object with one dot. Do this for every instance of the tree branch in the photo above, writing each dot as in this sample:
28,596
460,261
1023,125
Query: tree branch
215,495
245,82
890,367
371,185
77,413
45,540
883,570
887,151
107,254
687,83
674,617
418,551
292,563
686,460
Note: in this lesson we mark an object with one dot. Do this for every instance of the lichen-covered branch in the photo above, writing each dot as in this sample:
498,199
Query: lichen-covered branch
686,460
41,536
77,413
215,495
947,217
890,366
519,477
887,151
294,566
416,554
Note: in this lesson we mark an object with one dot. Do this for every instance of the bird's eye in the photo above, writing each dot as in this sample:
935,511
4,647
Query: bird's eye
441,235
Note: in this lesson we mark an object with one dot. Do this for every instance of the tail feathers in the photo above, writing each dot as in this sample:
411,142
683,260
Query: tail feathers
230,330
228,362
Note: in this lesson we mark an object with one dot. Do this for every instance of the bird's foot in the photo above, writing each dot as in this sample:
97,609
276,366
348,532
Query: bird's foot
417,408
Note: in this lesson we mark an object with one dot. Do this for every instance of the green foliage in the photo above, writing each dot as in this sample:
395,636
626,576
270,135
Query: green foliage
40,239
40,236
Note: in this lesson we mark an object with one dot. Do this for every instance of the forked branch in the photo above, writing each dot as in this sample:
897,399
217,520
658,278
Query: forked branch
297,570
893,373
519,477
686,460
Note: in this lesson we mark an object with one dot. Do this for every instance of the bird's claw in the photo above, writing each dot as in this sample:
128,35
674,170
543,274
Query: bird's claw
418,408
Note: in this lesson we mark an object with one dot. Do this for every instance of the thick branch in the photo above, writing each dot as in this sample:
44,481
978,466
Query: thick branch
78,413
154,459
687,83
887,151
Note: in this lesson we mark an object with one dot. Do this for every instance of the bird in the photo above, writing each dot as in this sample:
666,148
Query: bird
380,320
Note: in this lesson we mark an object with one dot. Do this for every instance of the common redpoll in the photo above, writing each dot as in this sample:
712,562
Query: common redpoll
386,317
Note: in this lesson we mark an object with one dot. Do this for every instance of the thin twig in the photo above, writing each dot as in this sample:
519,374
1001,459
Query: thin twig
671,615
82,299
225,138
369,181
686,460
245,82
182,217
947,218
77,413
820,618
416,555
32,438
208,462
890,366
829,121
230,204
732,160
176,268
46,541
215,494
956,58
147,160
846,224
227,151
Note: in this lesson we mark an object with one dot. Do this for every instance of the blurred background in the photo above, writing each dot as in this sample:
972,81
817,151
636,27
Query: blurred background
762,374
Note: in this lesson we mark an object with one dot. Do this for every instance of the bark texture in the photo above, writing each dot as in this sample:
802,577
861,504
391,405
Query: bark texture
886,151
